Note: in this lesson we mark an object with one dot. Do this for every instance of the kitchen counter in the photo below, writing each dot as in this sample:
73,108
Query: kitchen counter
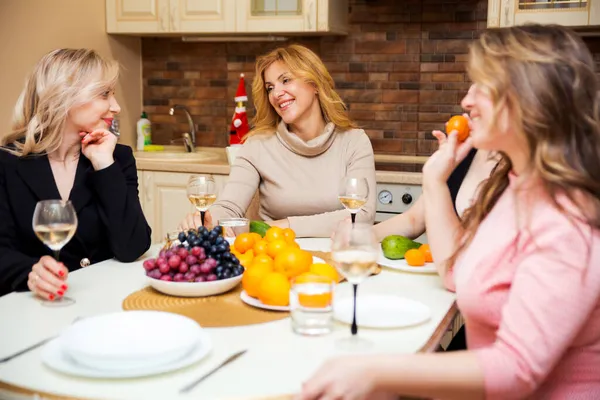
213,160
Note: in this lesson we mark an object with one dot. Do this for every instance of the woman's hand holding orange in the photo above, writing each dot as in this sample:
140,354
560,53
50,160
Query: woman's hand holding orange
47,278
450,153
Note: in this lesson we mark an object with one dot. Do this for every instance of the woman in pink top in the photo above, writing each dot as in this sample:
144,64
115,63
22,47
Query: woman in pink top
527,270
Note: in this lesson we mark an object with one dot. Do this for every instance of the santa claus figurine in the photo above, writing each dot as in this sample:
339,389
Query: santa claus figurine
239,123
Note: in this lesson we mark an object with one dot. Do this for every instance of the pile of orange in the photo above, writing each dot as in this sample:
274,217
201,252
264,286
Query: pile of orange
418,257
271,263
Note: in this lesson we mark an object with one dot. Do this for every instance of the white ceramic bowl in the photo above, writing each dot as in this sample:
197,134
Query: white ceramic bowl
126,340
195,289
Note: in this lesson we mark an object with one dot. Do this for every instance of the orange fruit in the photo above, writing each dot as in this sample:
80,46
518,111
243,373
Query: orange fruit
262,259
326,270
292,262
246,258
274,289
460,124
289,235
256,236
414,258
426,252
274,233
243,242
276,247
252,278
260,247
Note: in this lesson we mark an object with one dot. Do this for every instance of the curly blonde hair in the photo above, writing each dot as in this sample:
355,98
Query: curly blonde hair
304,64
61,80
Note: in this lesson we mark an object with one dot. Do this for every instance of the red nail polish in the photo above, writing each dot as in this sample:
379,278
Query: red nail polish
60,292
61,273
64,287
51,297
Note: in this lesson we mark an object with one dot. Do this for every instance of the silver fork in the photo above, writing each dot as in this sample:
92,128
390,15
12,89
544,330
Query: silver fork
33,346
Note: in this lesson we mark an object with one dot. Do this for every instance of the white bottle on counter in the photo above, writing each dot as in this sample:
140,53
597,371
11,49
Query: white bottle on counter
144,131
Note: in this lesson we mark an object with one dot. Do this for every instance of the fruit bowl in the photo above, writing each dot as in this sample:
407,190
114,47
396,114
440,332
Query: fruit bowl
194,289
196,263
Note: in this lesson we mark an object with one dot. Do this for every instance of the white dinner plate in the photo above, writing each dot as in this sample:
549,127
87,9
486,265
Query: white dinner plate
130,339
254,302
55,358
401,265
381,311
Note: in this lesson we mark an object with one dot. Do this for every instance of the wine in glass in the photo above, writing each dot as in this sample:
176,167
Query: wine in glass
354,252
54,223
353,194
201,191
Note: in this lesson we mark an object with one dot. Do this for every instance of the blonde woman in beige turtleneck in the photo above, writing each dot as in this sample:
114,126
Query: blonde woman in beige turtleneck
301,147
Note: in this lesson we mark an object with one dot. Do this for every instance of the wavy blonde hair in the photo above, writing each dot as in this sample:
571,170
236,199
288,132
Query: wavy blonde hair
61,80
306,65
544,76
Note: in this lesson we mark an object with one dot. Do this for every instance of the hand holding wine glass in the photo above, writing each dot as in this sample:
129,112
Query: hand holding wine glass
354,251
201,191
353,194
54,223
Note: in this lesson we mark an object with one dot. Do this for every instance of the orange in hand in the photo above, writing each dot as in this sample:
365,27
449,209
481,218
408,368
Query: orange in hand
460,124
426,252
414,258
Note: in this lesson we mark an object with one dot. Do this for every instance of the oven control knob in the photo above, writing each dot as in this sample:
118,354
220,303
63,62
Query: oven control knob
406,198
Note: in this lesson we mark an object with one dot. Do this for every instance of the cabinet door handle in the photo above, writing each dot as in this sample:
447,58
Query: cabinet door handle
309,15
163,22
506,6
173,14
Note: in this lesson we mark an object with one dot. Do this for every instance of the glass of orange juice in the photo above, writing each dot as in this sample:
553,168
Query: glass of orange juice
311,304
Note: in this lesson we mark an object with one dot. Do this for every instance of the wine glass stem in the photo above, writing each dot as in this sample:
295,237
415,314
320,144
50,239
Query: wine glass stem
56,254
353,216
202,217
354,328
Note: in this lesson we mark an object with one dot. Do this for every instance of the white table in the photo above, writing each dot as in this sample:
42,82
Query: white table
276,363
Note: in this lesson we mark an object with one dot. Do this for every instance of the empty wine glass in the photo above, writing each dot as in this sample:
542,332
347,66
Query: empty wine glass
54,223
354,252
353,194
201,191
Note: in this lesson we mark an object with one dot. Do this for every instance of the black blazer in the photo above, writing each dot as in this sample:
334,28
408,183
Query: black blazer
110,219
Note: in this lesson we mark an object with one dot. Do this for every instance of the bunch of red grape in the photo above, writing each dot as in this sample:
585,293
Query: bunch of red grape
200,256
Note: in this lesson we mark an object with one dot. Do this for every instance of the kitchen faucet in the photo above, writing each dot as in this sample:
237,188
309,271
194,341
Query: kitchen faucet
189,140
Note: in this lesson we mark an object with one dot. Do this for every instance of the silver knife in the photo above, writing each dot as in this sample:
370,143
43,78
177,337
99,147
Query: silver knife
228,360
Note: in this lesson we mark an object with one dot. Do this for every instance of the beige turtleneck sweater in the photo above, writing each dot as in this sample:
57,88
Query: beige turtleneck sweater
299,180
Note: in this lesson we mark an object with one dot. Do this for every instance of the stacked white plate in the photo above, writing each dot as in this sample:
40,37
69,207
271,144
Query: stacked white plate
127,344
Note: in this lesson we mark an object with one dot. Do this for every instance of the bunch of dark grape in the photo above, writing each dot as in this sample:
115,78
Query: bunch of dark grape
200,256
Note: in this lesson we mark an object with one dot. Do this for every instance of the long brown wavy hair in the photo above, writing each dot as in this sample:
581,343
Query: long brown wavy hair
544,76
61,80
303,64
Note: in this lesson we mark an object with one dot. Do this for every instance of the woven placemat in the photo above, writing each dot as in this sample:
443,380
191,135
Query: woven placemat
222,310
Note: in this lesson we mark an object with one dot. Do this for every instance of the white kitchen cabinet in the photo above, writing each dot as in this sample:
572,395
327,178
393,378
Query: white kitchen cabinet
137,16
192,16
578,13
291,16
170,16
157,17
164,199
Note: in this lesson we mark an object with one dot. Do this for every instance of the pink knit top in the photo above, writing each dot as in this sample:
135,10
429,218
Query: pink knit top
528,286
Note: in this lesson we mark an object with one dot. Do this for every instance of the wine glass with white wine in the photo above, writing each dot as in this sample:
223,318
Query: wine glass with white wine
353,194
354,251
201,191
54,223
